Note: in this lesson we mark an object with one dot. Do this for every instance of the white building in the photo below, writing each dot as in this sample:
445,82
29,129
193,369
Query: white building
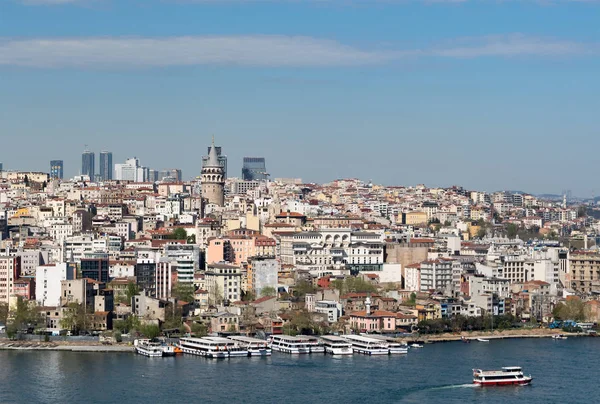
332,308
264,274
47,283
223,283
131,171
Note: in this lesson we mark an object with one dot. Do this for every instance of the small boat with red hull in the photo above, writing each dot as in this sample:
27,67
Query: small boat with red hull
510,375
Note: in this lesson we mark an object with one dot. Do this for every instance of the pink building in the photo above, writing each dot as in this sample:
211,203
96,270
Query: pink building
377,321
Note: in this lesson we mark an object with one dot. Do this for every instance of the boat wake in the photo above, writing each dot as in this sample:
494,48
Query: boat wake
454,386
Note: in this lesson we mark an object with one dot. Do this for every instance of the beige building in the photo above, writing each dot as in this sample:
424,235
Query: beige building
584,272
10,270
223,283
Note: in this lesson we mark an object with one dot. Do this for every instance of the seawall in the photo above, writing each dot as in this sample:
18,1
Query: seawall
50,346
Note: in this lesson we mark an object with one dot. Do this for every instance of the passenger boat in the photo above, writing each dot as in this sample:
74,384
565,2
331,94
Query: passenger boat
335,345
511,375
254,346
393,346
559,336
314,343
147,348
367,346
212,347
289,344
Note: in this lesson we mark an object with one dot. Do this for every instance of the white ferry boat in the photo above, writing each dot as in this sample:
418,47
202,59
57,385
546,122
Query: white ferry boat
234,349
511,375
211,347
367,346
335,345
314,343
147,348
254,346
289,344
393,346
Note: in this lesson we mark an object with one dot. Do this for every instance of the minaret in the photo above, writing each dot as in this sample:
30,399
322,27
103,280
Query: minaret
213,180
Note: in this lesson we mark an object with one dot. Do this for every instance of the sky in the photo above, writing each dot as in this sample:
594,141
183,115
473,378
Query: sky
487,94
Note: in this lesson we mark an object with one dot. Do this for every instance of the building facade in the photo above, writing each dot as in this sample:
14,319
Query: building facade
88,164
254,169
106,166
56,169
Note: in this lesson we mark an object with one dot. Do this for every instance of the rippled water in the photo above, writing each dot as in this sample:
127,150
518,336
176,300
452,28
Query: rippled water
564,371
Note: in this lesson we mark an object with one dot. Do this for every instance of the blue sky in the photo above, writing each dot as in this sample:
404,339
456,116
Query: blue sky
485,94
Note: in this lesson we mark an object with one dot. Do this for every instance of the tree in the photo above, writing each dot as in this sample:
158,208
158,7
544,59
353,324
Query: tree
150,331
582,211
572,309
132,290
179,234
3,313
183,291
248,296
511,230
191,239
199,329
24,316
412,300
303,287
73,317
268,291
481,233
26,180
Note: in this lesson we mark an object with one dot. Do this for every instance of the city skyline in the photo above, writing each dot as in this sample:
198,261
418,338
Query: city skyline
398,92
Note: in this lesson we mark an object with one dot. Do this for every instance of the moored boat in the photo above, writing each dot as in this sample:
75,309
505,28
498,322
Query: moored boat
147,348
416,346
559,336
335,345
367,346
289,344
510,375
394,347
254,346
483,340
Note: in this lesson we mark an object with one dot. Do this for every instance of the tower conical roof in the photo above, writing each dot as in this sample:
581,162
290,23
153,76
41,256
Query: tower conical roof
213,158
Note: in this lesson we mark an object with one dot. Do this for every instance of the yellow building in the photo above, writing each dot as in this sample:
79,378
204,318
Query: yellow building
414,218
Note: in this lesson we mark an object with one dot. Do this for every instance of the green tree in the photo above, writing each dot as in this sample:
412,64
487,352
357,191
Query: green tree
24,316
582,211
512,230
183,291
248,296
173,317
199,329
412,300
303,287
481,233
572,309
268,291
191,239
150,331
132,290
73,317
3,313
179,234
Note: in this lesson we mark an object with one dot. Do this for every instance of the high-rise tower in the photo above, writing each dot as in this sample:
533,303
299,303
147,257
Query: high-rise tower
254,169
106,166
213,179
56,169
88,164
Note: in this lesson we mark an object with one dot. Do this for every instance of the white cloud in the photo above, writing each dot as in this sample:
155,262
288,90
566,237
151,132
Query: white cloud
258,51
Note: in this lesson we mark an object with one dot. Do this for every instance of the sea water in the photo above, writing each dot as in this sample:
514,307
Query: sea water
564,372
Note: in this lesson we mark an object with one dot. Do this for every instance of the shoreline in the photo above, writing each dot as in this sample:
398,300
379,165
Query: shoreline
490,335
50,346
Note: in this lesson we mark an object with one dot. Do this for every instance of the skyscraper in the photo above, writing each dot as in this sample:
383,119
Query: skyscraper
222,159
56,169
88,164
254,169
106,166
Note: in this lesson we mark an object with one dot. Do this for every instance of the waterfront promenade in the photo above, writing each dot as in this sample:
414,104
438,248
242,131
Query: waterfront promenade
62,346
